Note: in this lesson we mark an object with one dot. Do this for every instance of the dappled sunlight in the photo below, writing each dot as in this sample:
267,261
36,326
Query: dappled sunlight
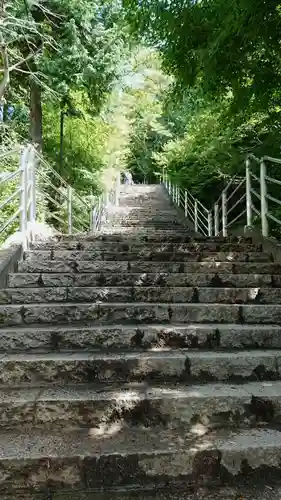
253,293
199,430
105,430
128,396
230,257
209,263
159,349
206,444
141,279
173,392
103,295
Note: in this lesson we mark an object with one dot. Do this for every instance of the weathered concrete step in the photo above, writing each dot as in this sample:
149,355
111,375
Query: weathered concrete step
142,254
169,406
129,457
147,236
158,294
30,280
132,246
166,366
259,491
141,206
102,266
200,336
145,213
141,216
170,225
145,218
138,312
161,209
170,222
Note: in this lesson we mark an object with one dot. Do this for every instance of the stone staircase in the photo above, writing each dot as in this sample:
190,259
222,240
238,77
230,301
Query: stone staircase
141,361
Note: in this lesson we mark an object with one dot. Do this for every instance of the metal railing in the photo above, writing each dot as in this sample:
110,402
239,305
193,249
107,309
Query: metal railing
32,191
250,200
193,208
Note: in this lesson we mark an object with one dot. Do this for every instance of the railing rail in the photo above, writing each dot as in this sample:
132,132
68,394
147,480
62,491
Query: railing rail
247,200
32,191
193,208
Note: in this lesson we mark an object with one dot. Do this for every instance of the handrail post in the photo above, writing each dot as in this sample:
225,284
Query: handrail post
264,206
224,212
93,213
173,193
69,209
23,195
178,196
99,213
106,198
33,189
210,224
185,203
217,220
91,221
196,216
248,193
31,194
117,189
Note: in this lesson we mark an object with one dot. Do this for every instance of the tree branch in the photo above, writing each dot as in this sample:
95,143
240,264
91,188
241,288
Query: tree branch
5,59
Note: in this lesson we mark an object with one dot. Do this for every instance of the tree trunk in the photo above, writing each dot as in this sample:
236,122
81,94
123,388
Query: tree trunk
36,117
3,56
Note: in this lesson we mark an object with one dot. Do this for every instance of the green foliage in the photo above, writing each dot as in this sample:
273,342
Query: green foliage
225,58
222,45
142,100
75,53
65,45
220,101
85,139
8,165
88,48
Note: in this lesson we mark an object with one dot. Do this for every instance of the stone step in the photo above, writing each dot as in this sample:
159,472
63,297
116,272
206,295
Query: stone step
144,205
128,229
169,222
157,224
115,457
132,246
183,365
138,312
145,216
143,255
30,280
161,209
258,491
102,266
157,294
74,337
182,236
211,406
154,207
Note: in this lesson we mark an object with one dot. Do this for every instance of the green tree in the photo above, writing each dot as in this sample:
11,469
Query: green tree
222,45
138,109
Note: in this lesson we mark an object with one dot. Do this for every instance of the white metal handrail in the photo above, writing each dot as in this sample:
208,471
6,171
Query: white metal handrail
28,184
193,208
245,200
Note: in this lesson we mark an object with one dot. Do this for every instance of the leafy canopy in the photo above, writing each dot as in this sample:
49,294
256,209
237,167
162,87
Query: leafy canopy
221,45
